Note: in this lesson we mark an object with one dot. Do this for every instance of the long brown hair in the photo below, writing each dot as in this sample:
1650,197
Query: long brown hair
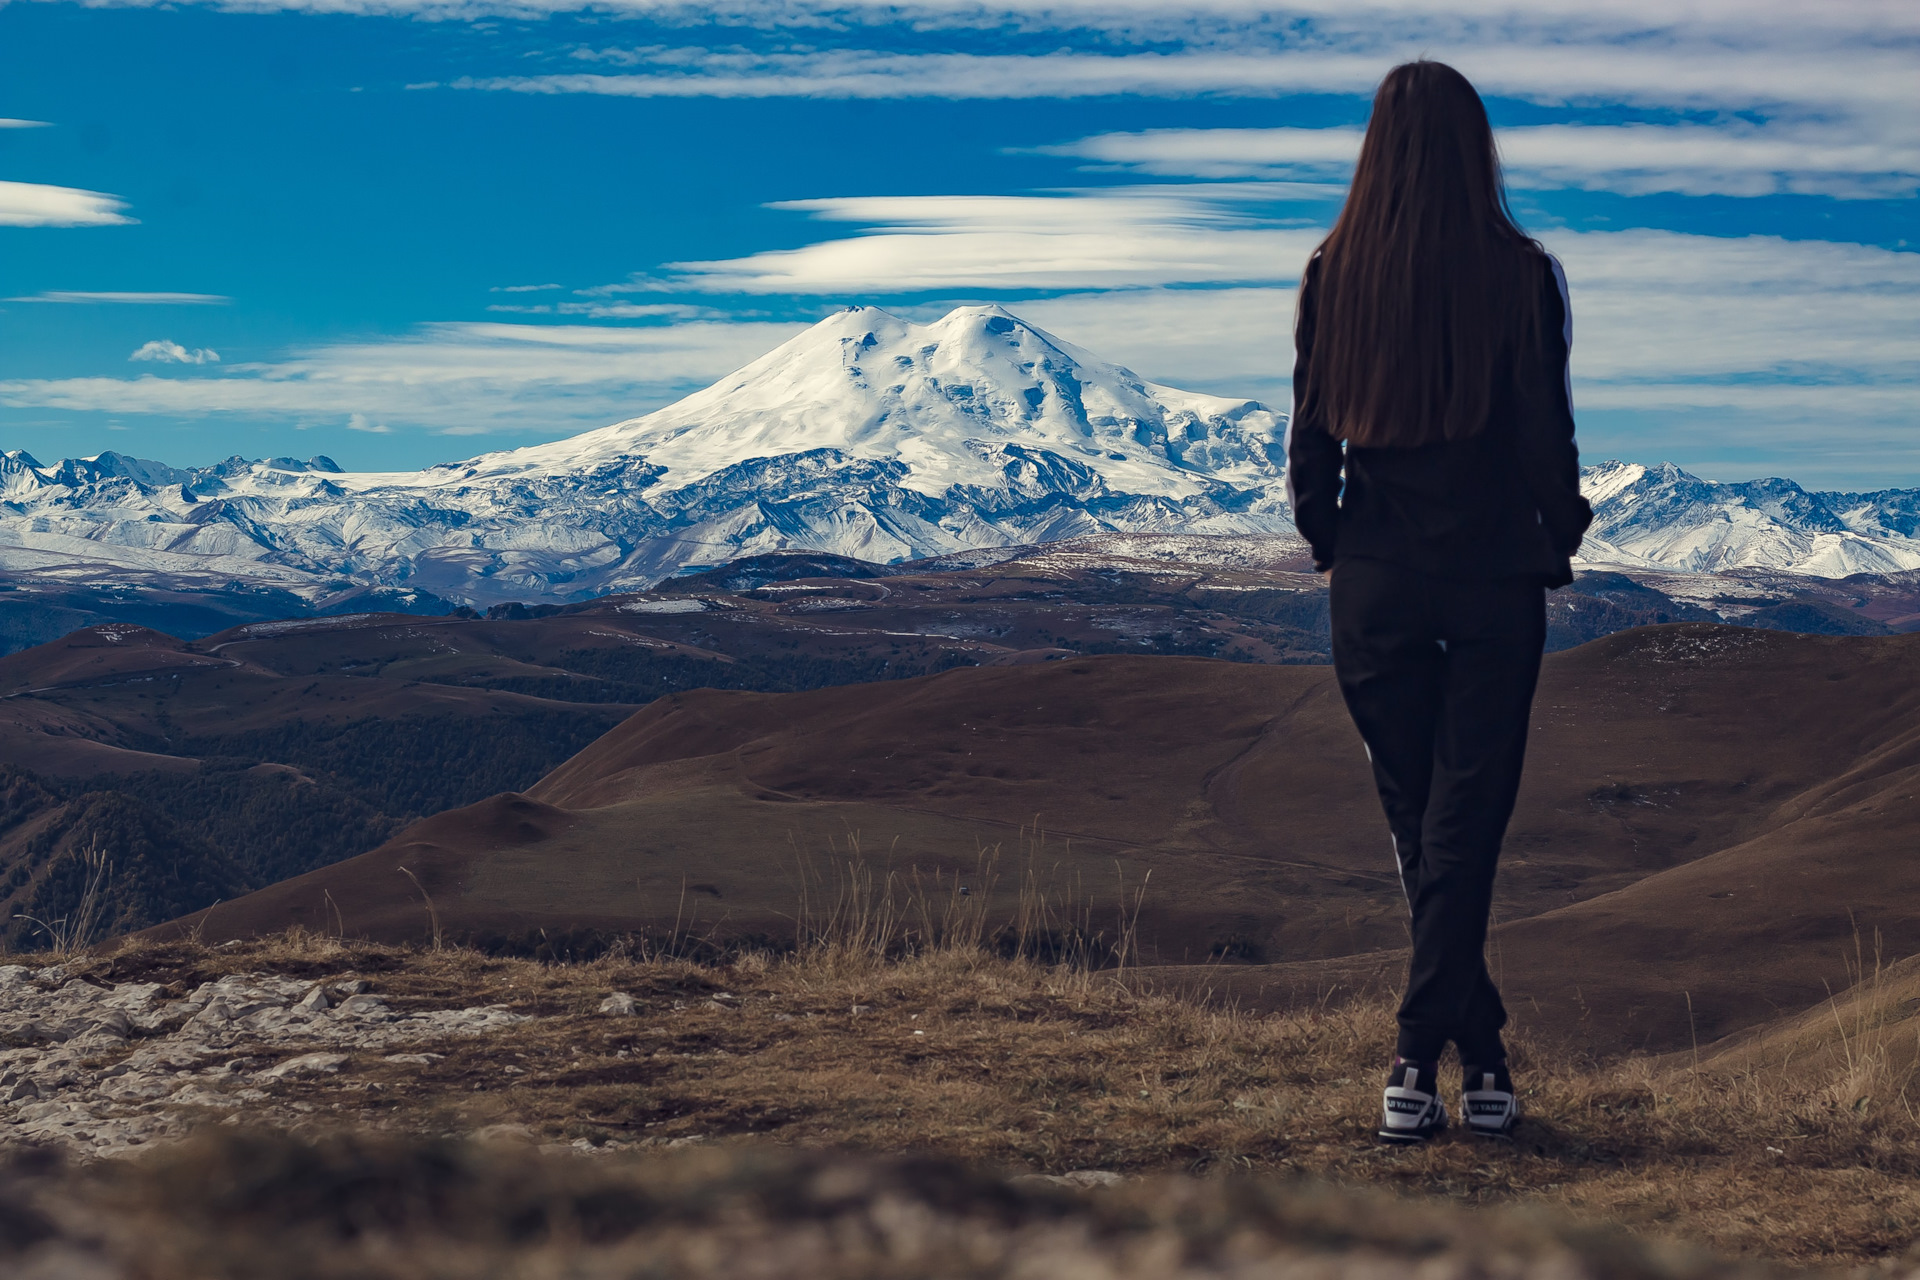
1426,280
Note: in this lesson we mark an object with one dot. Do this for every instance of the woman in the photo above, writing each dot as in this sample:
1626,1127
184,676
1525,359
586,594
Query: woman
1432,468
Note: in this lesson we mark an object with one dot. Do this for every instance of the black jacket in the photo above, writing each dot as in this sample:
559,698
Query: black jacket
1504,503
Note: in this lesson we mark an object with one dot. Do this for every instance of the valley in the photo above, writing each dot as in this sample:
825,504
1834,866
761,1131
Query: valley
206,768
1710,818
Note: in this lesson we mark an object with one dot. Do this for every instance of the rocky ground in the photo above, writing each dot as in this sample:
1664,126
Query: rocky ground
100,1068
302,1106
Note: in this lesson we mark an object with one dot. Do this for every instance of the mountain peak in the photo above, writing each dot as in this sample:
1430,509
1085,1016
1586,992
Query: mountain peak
942,401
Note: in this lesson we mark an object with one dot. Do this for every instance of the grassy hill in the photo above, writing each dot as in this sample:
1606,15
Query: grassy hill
1709,815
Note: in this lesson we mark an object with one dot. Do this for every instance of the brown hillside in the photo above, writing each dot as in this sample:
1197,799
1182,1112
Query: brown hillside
111,652
1709,814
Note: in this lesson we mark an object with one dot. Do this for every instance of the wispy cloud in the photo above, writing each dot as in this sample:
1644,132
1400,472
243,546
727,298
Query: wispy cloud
35,204
1663,309
6,123
1155,17
74,297
360,422
1663,67
524,288
163,351
1554,73
1810,99
1733,341
1095,239
612,310
1734,356
1695,319
1234,341
454,378
1737,159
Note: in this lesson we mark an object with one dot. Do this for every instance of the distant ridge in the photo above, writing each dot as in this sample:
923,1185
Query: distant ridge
1663,517
867,436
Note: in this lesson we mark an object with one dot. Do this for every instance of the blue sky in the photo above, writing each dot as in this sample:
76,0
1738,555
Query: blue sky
398,233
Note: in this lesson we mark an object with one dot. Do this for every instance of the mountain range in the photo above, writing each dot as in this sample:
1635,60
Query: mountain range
868,436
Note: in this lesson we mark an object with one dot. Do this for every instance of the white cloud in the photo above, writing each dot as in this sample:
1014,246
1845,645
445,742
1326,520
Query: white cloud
524,288
1659,308
164,351
1779,330
1755,338
359,422
1129,237
1231,341
1886,18
35,204
612,310
23,124
1759,324
79,297
455,378
1730,160
1737,159
1832,81
1659,69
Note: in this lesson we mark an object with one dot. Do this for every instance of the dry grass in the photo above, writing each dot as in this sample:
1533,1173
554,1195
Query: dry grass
1015,1064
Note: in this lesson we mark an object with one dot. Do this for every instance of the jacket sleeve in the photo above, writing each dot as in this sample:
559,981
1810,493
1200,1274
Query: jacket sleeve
1549,454
1314,458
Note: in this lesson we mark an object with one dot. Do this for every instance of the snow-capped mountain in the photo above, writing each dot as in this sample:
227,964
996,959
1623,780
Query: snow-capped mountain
1661,517
867,435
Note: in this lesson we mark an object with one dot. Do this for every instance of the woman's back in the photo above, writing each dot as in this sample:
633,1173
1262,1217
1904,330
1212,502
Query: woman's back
1432,343
1501,500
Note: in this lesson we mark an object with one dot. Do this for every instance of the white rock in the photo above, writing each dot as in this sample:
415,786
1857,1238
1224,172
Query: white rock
268,1021
132,1087
307,1064
364,1006
193,1095
77,1083
114,1022
619,1004
216,1013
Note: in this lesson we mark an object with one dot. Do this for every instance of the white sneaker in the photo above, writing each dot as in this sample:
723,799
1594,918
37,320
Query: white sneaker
1491,1109
1411,1110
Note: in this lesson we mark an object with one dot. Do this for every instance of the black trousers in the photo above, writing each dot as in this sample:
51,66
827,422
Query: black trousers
1439,676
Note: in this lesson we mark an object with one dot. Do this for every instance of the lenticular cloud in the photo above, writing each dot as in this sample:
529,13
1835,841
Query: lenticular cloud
36,204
